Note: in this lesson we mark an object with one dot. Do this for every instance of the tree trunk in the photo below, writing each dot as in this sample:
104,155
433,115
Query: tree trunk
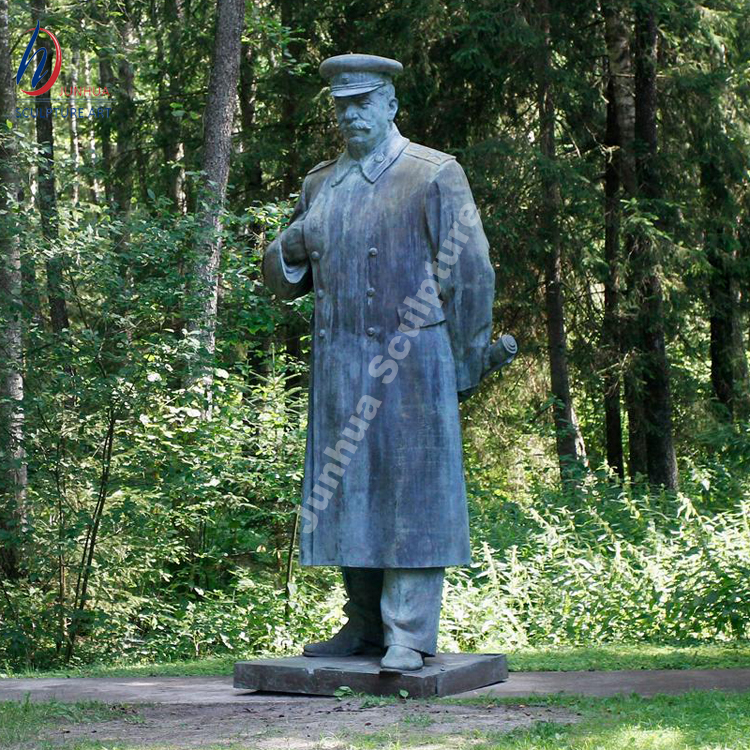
743,257
94,184
568,437
722,337
611,343
47,195
13,476
253,182
75,144
169,93
123,121
119,162
92,532
292,332
290,104
107,78
170,133
728,362
661,459
217,146
617,36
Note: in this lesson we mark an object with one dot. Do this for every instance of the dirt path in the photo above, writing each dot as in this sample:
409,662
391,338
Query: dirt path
294,724
212,690
190,713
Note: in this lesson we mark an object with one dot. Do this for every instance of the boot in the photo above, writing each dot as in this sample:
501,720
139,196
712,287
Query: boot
347,642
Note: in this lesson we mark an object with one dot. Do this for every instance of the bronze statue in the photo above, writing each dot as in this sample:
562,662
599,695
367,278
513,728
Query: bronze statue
388,238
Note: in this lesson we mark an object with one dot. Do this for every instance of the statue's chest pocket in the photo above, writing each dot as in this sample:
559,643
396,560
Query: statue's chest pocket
316,220
335,225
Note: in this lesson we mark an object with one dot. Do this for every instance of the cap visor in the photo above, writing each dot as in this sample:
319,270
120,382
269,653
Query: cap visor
339,91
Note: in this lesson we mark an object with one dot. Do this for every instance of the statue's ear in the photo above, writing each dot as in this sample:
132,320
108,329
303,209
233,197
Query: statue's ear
392,107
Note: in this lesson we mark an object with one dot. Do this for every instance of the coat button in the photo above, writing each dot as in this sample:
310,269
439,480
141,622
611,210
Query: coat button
320,294
315,255
322,333
370,292
370,331
379,158
373,251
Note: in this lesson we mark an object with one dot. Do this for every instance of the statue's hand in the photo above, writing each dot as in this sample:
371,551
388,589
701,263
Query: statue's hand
293,244
468,393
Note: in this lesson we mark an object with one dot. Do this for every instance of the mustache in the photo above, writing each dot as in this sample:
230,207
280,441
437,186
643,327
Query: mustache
357,126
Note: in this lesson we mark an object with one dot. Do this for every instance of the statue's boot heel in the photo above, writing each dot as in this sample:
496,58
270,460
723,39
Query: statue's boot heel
344,643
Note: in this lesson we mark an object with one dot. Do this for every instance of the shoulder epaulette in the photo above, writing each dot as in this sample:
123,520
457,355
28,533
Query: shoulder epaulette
322,165
428,154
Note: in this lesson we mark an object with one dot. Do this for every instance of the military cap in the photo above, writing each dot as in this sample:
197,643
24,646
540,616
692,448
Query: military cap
354,74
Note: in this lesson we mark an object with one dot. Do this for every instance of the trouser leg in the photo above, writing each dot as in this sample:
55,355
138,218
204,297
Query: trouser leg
410,607
363,588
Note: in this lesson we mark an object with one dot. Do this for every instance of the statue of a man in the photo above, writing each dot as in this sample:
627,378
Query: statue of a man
388,238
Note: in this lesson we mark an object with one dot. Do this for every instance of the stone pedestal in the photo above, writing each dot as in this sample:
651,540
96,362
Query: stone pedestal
444,674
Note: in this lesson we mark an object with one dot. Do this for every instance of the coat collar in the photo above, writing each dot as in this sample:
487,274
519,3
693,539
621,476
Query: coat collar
374,164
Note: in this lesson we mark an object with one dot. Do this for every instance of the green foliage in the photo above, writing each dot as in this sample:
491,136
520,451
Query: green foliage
606,564
22,722
189,520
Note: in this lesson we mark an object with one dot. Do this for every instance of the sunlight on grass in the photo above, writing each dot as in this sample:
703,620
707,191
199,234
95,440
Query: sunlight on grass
20,721
541,658
630,656
647,739
695,721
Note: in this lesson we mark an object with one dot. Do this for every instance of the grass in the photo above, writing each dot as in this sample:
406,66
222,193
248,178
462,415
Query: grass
559,659
630,656
21,722
695,721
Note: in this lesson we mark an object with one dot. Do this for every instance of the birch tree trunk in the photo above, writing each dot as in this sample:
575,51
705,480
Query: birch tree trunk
94,184
75,143
217,146
13,476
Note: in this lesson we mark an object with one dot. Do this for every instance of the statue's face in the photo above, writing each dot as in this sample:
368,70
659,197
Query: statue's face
364,119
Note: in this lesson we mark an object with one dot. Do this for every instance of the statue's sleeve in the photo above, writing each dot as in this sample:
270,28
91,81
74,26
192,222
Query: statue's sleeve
287,280
462,268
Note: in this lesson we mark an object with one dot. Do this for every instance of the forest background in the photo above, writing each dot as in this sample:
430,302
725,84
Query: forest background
153,394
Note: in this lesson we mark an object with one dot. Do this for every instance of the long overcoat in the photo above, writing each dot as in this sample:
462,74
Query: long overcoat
399,265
